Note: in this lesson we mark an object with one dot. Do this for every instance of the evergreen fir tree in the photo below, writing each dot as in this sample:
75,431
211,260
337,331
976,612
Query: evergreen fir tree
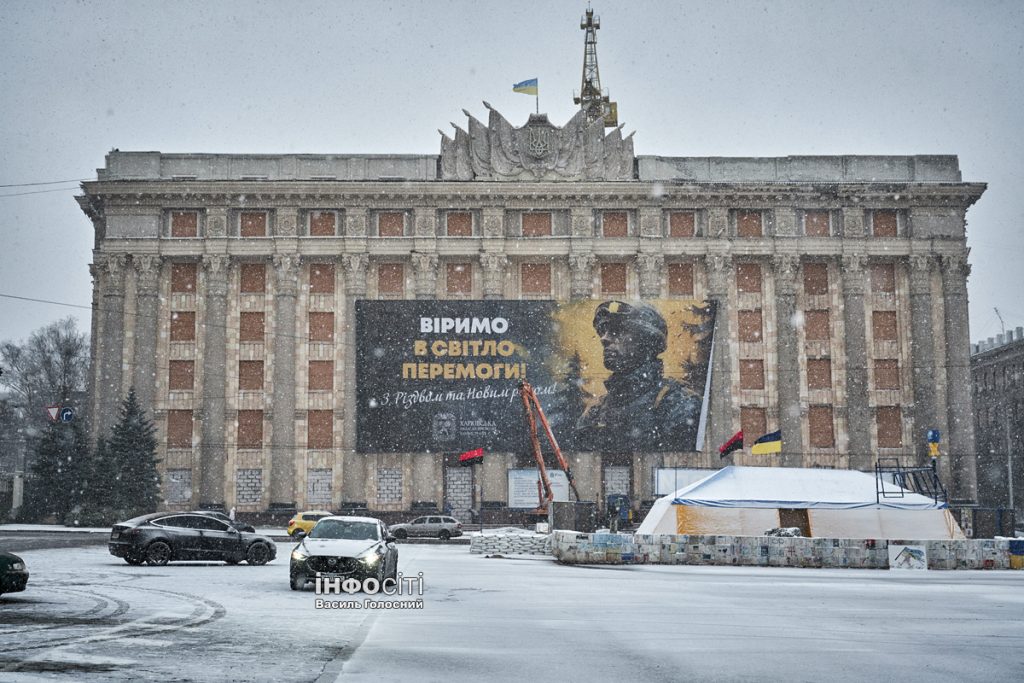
99,505
132,454
61,458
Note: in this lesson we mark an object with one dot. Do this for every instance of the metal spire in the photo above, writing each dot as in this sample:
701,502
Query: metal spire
591,99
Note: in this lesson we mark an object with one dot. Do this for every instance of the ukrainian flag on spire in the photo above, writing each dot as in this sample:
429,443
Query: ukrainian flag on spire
526,87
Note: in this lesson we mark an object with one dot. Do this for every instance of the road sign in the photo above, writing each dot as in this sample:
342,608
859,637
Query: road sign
53,412
67,414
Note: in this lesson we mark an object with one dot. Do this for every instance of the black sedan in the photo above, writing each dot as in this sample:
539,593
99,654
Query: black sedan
13,575
163,537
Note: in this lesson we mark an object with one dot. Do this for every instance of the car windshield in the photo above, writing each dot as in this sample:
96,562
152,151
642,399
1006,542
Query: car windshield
341,528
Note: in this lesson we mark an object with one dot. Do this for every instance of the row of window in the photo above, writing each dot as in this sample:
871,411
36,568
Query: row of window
744,223
182,375
820,422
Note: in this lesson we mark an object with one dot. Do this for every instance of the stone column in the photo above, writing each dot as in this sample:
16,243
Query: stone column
720,425
581,275
95,361
111,350
494,265
787,370
282,440
212,407
859,419
922,354
147,314
652,271
425,268
959,445
354,481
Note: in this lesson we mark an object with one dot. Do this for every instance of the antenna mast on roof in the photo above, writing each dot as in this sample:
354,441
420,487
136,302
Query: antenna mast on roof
590,98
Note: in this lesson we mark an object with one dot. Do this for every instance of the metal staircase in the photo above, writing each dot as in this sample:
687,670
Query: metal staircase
893,480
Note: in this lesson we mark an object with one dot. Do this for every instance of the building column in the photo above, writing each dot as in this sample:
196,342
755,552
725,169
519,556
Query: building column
859,419
494,265
282,440
112,272
960,449
652,274
720,425
354,478
212,407
94,358
787,373
425,268
581,275
147,313
922,351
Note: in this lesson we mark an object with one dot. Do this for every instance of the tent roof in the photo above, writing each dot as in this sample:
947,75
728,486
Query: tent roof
794,487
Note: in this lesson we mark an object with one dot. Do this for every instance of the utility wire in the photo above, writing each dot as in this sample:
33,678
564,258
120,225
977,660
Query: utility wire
49,182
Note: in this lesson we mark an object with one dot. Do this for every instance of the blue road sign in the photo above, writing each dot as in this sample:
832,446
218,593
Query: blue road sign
67,414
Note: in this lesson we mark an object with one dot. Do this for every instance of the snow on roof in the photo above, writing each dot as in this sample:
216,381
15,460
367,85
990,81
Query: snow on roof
794,487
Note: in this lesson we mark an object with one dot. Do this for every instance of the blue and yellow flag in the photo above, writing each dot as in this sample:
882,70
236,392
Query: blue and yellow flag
769,443
526,87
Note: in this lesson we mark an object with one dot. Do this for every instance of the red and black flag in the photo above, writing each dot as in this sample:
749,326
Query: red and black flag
733,444
472,457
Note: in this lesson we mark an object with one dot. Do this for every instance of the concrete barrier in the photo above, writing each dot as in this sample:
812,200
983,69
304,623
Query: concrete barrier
510,544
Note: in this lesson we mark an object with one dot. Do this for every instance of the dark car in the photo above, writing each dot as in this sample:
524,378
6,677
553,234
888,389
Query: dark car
241,526
13,575
344,547
163,537
434,526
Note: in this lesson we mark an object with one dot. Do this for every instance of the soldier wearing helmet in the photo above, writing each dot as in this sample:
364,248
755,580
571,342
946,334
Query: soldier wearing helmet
642,409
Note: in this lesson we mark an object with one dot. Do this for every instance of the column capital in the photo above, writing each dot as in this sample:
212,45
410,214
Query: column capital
147,268
113,267
286,267
652,266
786,267
216,264
854,265
355,267
955,265
424,263
921,272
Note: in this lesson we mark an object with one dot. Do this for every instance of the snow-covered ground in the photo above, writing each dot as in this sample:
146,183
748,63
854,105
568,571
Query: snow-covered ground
89,616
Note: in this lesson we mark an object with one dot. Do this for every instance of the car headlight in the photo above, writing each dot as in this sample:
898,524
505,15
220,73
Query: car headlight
18,566
370,557
299,553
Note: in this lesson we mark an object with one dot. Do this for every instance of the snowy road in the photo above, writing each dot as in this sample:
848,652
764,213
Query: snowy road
88,616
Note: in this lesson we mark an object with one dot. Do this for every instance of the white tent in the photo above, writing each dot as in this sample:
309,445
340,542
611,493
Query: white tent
747,501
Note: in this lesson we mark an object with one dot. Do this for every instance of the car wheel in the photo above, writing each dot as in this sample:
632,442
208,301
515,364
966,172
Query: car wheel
400,533
444,534
297,581
158,554
134,560
258,554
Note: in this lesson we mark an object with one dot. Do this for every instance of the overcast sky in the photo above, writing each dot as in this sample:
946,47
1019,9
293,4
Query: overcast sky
691,78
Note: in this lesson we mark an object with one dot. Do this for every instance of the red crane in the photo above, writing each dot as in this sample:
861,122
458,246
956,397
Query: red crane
544,492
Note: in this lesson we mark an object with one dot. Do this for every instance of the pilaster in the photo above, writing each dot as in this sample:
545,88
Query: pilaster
721,425
581,275
859,419
212,408
113,269
961,448
282,440
494,265
922,351
147,312
425,268
786,268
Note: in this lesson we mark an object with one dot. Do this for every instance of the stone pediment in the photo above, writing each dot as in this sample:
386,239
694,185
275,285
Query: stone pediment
539,150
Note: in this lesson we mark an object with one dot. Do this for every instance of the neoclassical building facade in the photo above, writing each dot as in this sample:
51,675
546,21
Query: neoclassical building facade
225,288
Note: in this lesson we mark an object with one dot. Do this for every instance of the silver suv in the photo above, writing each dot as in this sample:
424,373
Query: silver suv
439,526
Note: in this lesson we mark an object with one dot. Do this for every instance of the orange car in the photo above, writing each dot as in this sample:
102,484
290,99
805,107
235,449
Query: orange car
306,520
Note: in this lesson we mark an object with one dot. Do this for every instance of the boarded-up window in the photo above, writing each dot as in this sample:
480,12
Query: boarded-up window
252,224
883,277
748,278
819,373
323,224
321,326
536,278
754,423
250,428
179,429
321,375
682,224
183,326
183,278
253,278
181,375
250,375
751,374
614,224
887,374
883,325
680,279
816,325
321,278
749,224
889,423
320,424
815,279
459,278
184,224
459,224
819,420
884,223
816,224
391,278
613,278
537,224
750,325
250,327
391,224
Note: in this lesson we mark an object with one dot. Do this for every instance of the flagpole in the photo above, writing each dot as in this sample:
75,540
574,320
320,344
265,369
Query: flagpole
537,96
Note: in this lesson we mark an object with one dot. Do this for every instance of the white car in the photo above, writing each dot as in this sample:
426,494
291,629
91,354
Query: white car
344,547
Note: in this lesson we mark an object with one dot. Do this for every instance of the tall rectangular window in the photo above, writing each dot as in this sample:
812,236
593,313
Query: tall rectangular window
884,223
816,325
391,278
323,224
184,223
321,278
820,424
613,278
321,326
816,224
251,326
252,224
819,373
250,375
889,423
815,279
615,224
680,279
459,224
749,223
883,277
252,278
179,429
887,373
391,224
459,278
321,375
536,224
183,326
535,278
883,325
682,224
320,429
750,326
748,278
753,422
751,374
250,429
181,375
183,278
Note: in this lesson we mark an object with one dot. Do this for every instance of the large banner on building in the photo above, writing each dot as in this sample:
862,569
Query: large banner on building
611,375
